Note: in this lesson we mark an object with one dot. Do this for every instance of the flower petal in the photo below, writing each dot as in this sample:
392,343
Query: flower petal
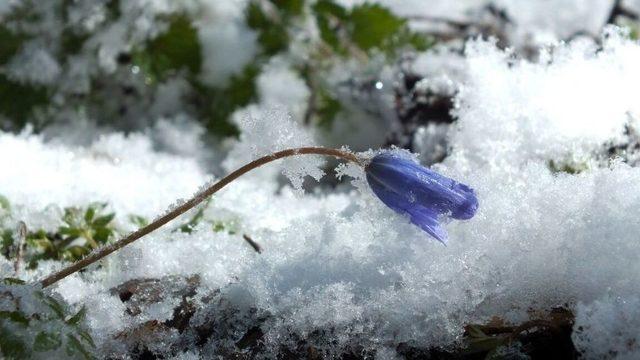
427,220
427,187
423,217
420,193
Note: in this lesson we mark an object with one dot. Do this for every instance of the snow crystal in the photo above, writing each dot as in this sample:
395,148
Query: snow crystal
265,131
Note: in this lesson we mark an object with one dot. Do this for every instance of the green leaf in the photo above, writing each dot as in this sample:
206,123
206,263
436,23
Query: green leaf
10,42
372,25
4,203
89,214
366,26
75,347
218,226
13,281
328,108
289,7
7,241
17,101
54,305
138,220
217,105
272,34
72,42
103,220
70,216
78,317
102,235
46,341
15,316
75,252
70,231
113,9
329,15
84,335
11,345
177,48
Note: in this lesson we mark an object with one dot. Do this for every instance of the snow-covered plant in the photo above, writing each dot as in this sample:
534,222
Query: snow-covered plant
425,196
34,325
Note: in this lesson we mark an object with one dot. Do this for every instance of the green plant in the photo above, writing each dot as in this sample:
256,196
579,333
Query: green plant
34,325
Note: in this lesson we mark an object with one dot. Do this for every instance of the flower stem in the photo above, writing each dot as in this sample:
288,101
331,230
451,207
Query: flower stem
195,200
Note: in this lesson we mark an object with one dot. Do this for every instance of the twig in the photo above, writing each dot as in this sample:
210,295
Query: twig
197,198
253,244
21,232
619,10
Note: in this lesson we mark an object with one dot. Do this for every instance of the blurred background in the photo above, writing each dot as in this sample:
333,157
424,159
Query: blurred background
359,73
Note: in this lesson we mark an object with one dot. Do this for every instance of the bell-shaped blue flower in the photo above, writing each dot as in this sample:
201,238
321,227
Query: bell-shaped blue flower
425,196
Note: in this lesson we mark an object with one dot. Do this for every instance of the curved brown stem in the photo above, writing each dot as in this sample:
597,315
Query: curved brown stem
195,200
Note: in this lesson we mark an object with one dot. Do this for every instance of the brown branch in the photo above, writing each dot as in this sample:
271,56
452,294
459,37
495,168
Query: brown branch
197,198
252,243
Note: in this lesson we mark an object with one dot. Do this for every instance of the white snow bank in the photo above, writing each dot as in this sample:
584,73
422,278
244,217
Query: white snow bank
570,102
124,171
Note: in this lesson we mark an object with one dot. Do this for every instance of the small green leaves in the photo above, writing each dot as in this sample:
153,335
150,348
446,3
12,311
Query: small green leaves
78,317
330,17
75,347
50,326
11,345
138,220
217,105
5,204
46,341
271,28
82,230
178,48
15,316
12,281
372,25
17,101
10,42
569,167
328,108
93,226
366,27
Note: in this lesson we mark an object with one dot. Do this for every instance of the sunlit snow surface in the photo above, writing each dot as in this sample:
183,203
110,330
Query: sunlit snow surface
341,260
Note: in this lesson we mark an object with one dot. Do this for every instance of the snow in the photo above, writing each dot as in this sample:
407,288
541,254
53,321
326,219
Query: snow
598,327
278,85
269,128
227,42
34,65
121,170
550,108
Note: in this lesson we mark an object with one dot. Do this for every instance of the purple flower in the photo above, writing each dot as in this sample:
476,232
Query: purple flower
422,194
